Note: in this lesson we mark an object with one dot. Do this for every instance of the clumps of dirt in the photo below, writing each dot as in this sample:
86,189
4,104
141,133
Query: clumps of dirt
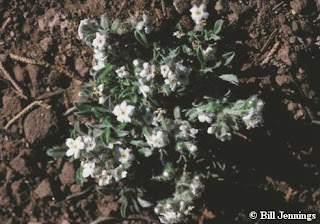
11,104
43,189
19,165
67,175
40,124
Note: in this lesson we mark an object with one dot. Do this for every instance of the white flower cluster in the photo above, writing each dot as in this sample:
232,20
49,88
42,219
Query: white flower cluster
175,210
80,143
99,57
82,146
98,93
254,117
175,75
185,138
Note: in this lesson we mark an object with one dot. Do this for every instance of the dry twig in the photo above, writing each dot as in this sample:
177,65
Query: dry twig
23,112
240,135
268,42
277,6
50,94
12,81
58,68
271,53
5,24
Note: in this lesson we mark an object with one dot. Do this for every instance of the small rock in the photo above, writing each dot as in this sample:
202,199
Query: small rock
46,43
43,189
81,67
67,175
39,124
19,165
298,5
292,106
283,54
11,104
283,79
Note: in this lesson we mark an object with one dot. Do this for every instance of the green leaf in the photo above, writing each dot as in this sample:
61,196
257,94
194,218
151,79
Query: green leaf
103,72
115,25
104,23
137,142
217,26
106,134
230,78
143,203
141,38
146,151
200,56
79,177
123,208
56,152
228,57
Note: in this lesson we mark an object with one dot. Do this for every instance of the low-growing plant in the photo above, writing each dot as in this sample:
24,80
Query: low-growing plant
151,104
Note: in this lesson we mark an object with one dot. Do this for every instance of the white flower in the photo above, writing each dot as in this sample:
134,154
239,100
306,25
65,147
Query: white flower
146,23
199,13
122,72
123,112
209,53
224,136
98,64
88,169
172,81
100,41
253,119
159,139
143,89
196,187
171,217
164,69
102,99
149,71
186,130
119,173
178,34
124,155
99,55
165,174
204,116
74,147
100,90
80,28
210,130
90,143
192,148
156,210
193,132
136,62
104,178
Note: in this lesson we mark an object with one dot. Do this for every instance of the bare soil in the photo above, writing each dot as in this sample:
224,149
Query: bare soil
276,167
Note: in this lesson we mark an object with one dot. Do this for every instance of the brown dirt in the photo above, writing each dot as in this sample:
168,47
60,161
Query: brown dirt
277,169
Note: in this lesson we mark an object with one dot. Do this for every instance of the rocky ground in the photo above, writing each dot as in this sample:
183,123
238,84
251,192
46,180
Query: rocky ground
277,45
